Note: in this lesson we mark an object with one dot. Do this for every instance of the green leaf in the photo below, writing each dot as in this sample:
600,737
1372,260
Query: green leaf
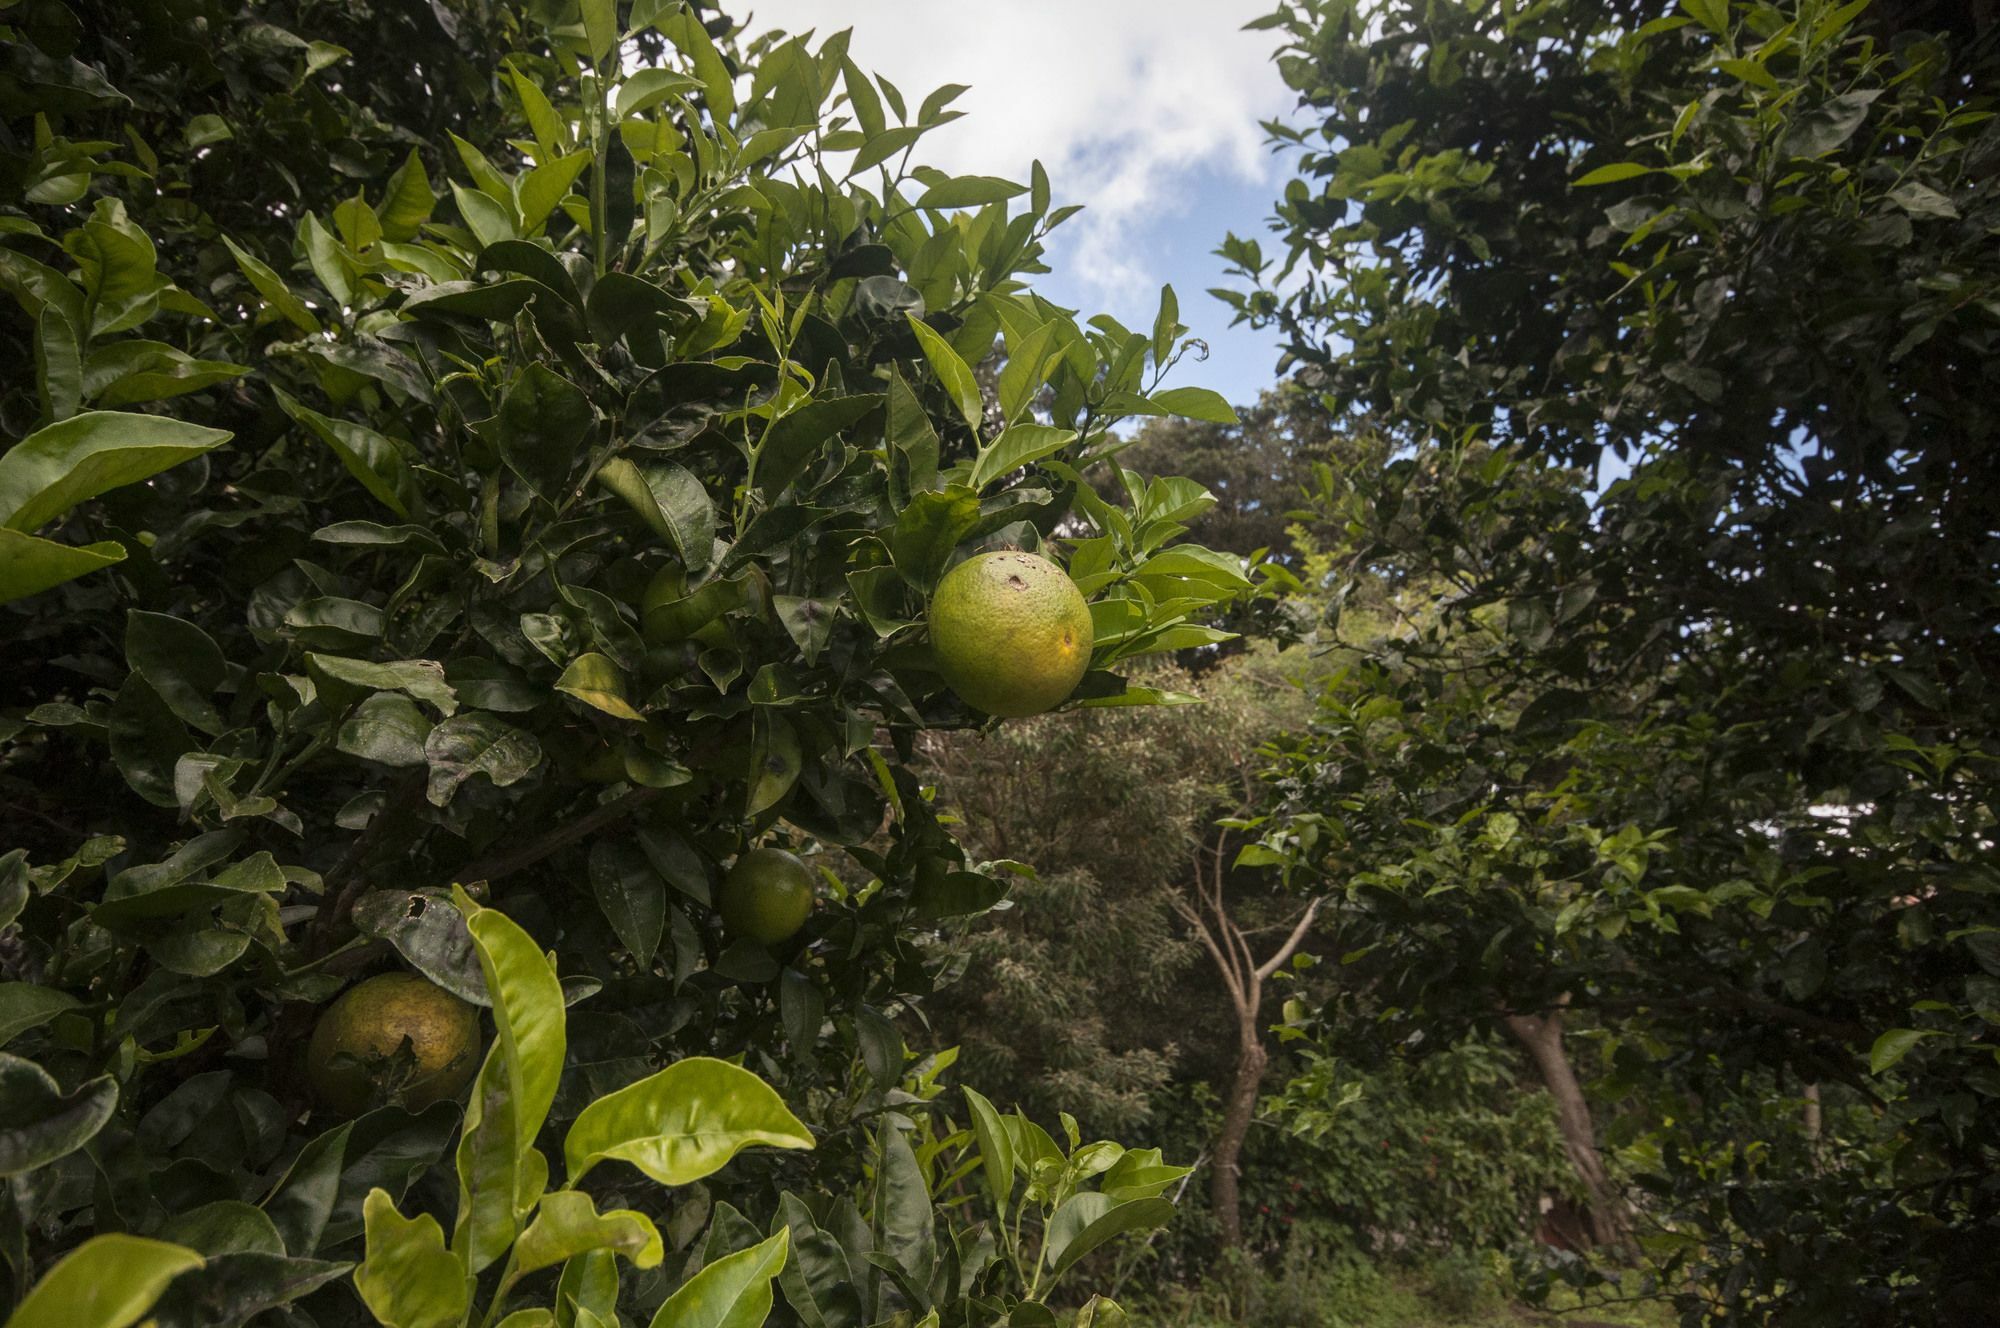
683,1123
671,500
53,469
274,290
958,381
1892,1046
970,191
568,1224
1826,127
907,430
58,365
422,679
776,761
996,1148
30,565
501,1175
1166,325
600,28
1920,200
1017,447
796,439
1140,1174
477,743
1612,174
128,372
597,682
544,424
685,31
545,186
647,88
1196,403
551,131
903,1218
39,1122
182,663
930,529
329,261
407,1278
732,1292
409,201
1099,1312
26,1005
385,728
375,459
227,1226
1711,14
1090,1219
106,1282
632,896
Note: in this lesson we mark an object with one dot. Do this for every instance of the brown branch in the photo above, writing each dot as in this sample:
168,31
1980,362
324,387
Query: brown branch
1222,962
1292,942
497,865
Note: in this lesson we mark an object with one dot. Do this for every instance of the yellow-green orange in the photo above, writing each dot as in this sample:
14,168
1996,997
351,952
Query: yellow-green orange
1011,633
767,896
369,1022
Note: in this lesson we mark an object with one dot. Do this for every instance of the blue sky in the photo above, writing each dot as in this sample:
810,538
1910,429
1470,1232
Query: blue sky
1145,111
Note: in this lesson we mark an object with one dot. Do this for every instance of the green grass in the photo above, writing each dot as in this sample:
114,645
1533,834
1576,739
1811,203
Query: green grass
1451,1293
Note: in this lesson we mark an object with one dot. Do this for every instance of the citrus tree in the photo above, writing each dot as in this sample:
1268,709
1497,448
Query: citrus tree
473,515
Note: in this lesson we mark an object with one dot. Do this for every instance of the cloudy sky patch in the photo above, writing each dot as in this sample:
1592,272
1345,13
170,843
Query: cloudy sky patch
1146,111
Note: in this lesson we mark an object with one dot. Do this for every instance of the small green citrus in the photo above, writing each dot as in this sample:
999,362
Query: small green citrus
369,1023
1011,633
767,896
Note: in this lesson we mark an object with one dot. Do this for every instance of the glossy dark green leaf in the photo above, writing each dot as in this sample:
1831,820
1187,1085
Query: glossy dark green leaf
181,662
797,439
631,894
497,302
39,1122
543,428
147,740
24,1005
379,462
929,531
669,499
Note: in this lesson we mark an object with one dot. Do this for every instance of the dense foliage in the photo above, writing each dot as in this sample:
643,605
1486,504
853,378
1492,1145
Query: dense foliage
1705,761
509,447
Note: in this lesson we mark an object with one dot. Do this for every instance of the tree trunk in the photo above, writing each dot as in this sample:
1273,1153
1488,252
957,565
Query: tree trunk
1251,1059
1543,1039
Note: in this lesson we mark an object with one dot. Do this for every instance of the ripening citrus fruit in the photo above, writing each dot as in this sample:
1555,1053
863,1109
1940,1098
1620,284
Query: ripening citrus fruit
1011,633
369,1022
767,895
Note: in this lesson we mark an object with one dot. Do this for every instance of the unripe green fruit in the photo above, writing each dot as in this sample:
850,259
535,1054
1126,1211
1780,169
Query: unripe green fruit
767,896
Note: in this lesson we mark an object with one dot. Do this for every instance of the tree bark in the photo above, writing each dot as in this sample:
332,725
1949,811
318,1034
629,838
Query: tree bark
1224,1182
1542,1036
1207,915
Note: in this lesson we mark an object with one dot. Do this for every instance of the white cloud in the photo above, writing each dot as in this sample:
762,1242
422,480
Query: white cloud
1126,102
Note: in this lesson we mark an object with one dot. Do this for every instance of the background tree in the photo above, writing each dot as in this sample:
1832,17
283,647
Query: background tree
1737,247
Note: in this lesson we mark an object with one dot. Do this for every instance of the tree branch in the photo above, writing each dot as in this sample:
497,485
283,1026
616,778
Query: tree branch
495,866
1292,942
